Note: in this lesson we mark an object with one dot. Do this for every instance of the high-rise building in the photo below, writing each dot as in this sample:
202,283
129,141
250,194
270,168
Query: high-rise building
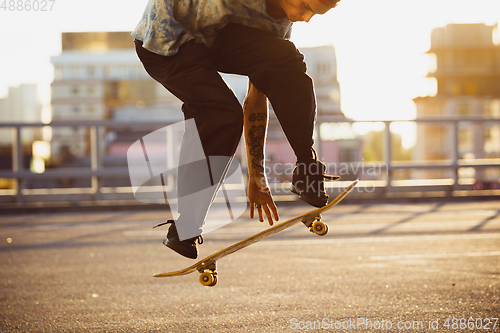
22,104
468,85
322,67
97,75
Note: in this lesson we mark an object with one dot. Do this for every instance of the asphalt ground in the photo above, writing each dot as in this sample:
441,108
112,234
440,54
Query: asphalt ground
428,267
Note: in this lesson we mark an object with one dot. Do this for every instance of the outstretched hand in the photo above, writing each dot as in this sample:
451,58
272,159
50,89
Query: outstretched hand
260,197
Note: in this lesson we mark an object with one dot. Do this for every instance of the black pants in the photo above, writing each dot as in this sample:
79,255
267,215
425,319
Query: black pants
274,66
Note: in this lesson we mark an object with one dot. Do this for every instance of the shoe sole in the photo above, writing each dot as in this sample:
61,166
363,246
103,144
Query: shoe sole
177,250
316,204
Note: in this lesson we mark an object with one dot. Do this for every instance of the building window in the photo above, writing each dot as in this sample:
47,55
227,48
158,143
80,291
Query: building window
138,71
66,72
75,72
348,155
58,72
464,109
107,71
99,72
455,88
122,71
492,108
322,68
91,72
471,89
465,140
461,60
492,142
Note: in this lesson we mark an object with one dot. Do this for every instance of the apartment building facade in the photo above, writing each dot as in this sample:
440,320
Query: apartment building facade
467,72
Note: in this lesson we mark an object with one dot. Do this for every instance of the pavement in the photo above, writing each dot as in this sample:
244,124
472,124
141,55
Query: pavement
426,267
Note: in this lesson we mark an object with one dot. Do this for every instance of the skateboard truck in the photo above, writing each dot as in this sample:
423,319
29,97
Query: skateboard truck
316,226
208,274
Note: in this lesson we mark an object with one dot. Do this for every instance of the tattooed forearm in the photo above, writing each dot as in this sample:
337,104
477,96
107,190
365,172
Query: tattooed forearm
255,127
254,144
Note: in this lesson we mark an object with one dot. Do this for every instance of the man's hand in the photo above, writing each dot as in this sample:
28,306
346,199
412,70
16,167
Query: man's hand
260,197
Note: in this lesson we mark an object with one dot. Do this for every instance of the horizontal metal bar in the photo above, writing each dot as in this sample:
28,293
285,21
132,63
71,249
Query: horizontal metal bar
334,119
322,118
123,172
445,164
117,172
113,124
111,172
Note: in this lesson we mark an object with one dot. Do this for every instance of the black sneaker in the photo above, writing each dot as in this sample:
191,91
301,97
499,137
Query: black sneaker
187,247
308,182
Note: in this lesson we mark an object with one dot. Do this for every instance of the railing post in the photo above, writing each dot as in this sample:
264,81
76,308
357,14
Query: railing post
388,154
170,182
17,162
95,160
319,141
454,154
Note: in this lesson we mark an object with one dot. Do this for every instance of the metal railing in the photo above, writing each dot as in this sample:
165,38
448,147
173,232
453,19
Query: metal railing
96,172
454,163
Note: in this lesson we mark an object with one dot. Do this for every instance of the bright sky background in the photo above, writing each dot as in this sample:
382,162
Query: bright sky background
380,44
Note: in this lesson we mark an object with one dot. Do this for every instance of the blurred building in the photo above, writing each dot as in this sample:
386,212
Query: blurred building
97,75
468,80
322,67
22,104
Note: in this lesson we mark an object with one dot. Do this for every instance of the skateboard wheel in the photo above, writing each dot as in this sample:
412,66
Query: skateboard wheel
208,279
215,281
320,228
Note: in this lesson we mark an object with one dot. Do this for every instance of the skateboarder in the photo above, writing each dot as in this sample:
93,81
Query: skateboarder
183,44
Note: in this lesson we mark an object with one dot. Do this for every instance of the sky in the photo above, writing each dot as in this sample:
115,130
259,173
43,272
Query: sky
380,45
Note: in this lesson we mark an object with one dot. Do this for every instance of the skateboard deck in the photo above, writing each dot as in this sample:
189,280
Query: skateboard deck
312,220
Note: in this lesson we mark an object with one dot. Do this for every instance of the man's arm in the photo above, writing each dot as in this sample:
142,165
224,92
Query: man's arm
255,128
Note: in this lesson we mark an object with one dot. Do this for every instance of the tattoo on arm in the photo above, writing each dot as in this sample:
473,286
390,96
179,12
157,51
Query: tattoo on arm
245,105
254,143
257,117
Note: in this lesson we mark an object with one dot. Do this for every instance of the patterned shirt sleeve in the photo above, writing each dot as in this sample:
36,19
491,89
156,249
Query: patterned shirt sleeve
167,24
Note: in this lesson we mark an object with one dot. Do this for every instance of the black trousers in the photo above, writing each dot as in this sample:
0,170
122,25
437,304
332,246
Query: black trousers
274,66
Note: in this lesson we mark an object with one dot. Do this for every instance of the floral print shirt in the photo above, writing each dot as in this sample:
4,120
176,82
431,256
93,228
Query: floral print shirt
167,24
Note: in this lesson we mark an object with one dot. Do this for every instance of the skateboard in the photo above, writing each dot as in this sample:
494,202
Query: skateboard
312,220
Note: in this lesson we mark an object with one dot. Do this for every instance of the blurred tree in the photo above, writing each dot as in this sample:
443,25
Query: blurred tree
373,148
